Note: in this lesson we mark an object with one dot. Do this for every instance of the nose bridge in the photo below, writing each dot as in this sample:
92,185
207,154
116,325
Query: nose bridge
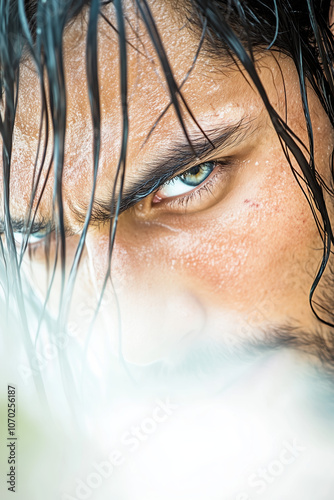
129,265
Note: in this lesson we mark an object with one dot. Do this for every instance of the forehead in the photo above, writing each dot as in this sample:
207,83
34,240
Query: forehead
215,92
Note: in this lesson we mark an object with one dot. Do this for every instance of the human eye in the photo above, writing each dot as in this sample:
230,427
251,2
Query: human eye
34,241
195,186
187,181
43,243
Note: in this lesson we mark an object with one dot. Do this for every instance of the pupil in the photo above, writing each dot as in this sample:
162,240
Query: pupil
195,170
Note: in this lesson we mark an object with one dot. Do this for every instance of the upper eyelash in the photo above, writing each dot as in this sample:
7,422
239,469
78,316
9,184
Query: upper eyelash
223,163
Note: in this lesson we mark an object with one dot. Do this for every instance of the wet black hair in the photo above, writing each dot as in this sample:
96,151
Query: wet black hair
239,29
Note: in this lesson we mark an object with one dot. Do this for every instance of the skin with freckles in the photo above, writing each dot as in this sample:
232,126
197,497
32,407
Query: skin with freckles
230,259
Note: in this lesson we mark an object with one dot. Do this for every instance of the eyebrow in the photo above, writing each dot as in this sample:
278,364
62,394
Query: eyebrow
179,156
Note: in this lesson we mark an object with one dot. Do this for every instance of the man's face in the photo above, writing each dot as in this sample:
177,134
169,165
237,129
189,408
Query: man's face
226,252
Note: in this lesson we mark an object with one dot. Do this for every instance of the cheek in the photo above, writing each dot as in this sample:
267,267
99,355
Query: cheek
248,248
261,256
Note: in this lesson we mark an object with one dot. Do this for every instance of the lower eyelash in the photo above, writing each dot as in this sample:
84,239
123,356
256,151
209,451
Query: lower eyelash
198,193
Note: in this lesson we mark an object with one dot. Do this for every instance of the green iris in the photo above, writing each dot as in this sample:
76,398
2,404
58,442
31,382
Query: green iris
196,175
